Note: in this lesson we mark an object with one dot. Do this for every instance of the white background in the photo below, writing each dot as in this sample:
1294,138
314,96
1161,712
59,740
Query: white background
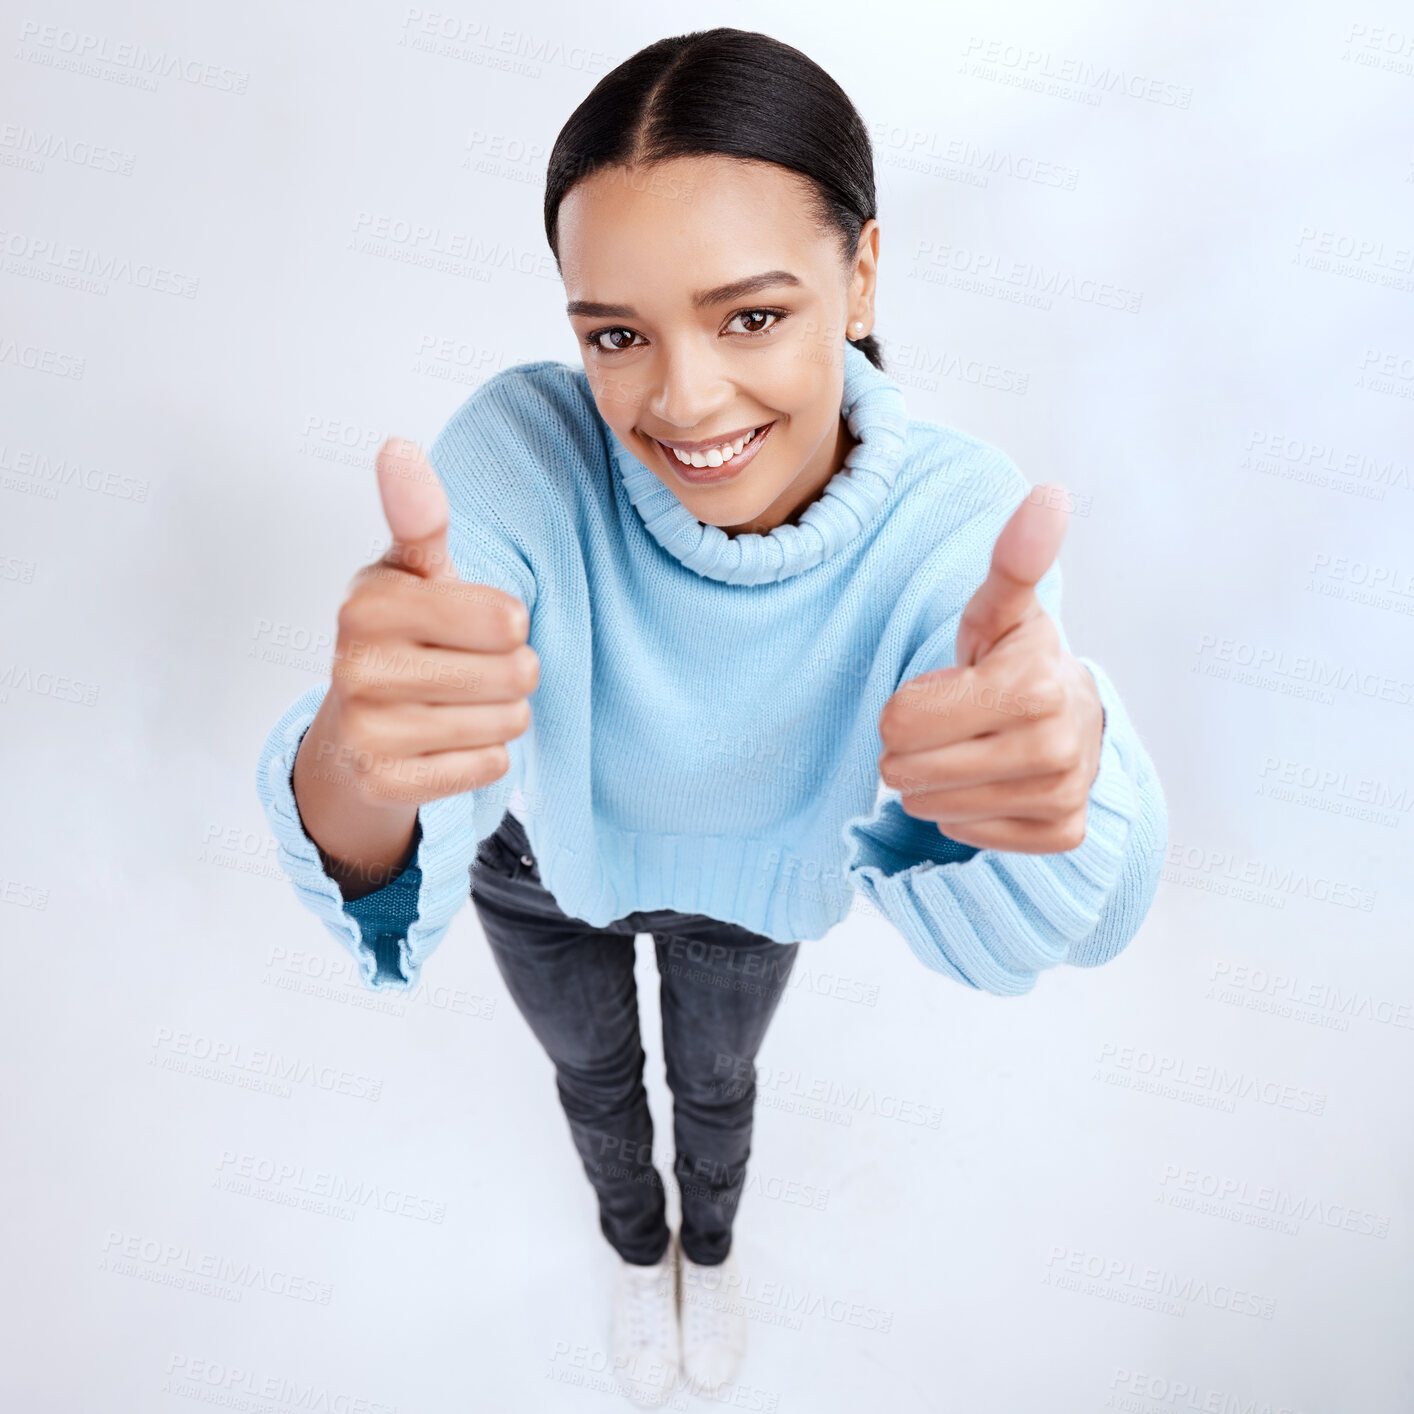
177,528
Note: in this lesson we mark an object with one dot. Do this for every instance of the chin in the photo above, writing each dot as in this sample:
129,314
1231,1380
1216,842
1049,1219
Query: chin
738,510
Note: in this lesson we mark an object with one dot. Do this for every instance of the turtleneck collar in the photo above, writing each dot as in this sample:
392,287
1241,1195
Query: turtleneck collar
873,409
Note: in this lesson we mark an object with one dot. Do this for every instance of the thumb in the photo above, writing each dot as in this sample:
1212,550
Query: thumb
415,506
1024,551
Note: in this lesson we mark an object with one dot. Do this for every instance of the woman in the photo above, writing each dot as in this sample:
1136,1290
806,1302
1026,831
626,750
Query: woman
737,558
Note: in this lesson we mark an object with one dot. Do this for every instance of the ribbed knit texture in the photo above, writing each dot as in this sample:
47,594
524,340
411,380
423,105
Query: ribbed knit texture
704,737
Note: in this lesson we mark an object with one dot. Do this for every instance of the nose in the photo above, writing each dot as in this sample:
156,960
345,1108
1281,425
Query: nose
689,387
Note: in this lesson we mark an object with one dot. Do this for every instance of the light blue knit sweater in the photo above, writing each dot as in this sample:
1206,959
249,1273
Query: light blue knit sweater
704,736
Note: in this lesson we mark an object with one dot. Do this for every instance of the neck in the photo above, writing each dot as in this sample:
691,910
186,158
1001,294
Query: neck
804,491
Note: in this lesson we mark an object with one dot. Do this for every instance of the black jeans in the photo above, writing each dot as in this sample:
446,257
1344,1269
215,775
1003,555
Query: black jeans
719,986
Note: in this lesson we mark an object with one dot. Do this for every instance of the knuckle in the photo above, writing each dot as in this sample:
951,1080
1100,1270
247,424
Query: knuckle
1062,748
494,762
891,735
469,681
497,611
350,620
347,679
887,731
1062,806
365,615
893,722
368,577
1047,691
516,619
359,672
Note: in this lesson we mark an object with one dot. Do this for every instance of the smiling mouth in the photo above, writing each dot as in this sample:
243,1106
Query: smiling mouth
718,455
716,464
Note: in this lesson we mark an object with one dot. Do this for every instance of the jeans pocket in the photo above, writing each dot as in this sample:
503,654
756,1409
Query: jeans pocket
502,854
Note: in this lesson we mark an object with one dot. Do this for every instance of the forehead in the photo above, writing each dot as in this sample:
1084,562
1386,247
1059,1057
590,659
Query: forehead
687,223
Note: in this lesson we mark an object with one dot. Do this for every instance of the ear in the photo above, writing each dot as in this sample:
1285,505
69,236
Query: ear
863,280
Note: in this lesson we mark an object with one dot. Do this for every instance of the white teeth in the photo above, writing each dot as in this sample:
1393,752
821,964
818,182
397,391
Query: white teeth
715,456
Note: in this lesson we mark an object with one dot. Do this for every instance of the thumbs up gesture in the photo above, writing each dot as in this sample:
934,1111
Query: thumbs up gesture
431,676
1001,750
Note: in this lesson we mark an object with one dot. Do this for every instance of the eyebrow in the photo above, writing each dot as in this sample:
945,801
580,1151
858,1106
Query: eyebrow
737,289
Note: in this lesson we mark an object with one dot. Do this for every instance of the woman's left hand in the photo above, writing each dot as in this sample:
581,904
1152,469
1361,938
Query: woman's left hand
1000,751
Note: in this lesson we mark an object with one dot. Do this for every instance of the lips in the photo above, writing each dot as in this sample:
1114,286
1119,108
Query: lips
727,468
740,435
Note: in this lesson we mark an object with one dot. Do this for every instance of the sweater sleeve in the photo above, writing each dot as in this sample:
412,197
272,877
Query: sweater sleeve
391,932
994,919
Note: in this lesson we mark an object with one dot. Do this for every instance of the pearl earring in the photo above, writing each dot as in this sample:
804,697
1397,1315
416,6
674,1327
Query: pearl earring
858,325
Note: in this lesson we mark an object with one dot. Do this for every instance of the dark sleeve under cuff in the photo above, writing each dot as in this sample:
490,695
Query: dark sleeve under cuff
385,915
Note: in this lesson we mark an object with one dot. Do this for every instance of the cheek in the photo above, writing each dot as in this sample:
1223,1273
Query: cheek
618,400
817,351
792,382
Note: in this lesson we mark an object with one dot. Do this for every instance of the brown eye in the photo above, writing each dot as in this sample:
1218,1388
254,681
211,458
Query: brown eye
619,339
754,321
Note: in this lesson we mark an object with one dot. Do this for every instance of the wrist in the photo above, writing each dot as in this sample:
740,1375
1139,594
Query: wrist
363,842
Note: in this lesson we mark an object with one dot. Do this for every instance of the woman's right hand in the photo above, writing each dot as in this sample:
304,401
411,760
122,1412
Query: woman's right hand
430,680
431,676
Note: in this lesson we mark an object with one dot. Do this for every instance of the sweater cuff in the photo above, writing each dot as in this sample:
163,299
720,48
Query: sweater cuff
390,932
386,915
994,918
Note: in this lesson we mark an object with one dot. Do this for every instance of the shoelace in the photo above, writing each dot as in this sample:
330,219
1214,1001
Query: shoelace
705,1317
649,1308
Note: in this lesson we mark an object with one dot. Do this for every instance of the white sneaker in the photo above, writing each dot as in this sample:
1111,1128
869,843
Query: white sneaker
713,1323
645,1339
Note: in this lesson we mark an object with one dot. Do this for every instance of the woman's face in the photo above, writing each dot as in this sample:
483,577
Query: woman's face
711,308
